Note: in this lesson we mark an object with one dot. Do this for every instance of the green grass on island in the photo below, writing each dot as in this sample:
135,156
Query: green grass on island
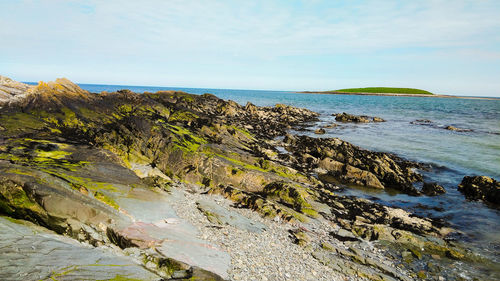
385,90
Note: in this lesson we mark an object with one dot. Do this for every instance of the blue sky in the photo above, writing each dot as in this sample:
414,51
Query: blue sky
450,47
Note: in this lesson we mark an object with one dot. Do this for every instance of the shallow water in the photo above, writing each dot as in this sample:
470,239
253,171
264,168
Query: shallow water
451,154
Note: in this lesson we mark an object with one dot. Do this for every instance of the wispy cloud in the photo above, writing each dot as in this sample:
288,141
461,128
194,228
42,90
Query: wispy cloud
211,35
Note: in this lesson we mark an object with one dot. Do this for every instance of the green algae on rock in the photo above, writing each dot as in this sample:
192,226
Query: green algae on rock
98,168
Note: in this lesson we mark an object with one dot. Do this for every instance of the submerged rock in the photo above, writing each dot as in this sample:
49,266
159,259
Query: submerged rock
430,123
432,189
422,122
330,126
480,187
452,128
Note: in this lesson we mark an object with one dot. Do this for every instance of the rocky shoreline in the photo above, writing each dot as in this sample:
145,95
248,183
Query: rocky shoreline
174,186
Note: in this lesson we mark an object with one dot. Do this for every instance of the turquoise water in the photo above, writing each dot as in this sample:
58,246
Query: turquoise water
451,154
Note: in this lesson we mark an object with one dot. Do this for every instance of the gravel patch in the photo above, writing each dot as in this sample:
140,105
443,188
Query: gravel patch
269,255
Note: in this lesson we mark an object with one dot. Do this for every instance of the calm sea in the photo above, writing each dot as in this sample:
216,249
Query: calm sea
452,154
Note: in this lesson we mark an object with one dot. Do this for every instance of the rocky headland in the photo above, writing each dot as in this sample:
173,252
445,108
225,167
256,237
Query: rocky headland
174,186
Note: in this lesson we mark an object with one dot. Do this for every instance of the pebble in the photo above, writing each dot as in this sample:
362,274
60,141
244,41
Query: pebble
269,255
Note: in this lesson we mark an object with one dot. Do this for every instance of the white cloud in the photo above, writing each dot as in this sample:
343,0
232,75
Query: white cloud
188,35
257,29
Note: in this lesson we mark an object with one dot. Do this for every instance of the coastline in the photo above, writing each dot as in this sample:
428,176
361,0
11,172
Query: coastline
394,95
150,167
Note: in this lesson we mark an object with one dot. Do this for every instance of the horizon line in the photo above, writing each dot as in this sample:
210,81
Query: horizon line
209,88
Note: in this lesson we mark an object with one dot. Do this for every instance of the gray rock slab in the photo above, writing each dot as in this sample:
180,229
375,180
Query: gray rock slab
29,252
221,215
155,224
345,235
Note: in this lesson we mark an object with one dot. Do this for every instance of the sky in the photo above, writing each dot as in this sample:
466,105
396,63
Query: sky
446,47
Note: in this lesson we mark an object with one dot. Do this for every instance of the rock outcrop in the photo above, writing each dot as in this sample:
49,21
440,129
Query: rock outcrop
11,90
44,94
346,117
95,167
88,195
480,188
336,160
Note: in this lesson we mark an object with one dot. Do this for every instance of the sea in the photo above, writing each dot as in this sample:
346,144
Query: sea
451,154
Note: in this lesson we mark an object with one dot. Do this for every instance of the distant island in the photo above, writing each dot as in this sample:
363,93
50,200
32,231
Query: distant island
385,90
389,91
382,91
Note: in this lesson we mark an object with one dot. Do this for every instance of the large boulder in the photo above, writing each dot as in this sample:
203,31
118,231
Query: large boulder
480,187
346,117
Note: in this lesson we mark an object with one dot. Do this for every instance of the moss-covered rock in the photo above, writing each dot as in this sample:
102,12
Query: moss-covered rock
15,202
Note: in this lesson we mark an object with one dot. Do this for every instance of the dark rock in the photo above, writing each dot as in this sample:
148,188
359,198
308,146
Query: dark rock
432,189
480,187
344,162
422,122
361,177
320,131
346,117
